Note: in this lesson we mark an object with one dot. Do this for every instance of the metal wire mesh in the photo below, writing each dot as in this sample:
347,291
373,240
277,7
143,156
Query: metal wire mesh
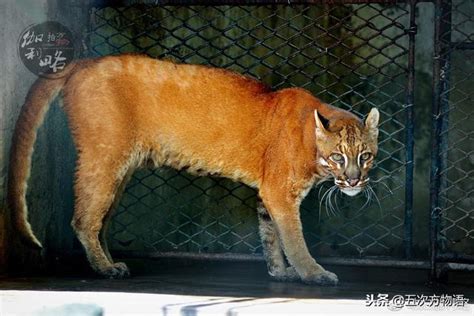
456,133
352,56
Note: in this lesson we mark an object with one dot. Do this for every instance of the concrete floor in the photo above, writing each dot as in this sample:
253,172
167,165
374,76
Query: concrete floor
239,285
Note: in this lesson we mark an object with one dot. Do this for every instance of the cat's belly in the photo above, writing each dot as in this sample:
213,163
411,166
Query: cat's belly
197,164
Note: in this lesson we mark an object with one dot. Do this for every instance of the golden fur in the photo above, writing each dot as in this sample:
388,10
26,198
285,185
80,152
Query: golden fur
127,111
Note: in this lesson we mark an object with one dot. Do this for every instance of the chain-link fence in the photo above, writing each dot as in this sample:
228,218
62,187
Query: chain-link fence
453,121
354,56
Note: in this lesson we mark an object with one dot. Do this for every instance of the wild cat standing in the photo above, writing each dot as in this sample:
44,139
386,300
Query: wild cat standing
129,111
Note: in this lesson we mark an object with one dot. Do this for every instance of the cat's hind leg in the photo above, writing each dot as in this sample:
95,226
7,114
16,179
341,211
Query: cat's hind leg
98,179
272,251
113,208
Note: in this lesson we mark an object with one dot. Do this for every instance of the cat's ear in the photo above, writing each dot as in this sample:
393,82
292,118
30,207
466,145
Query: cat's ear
372,122
321,123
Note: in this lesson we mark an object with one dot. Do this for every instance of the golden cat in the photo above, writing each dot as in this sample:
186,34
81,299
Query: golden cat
129,111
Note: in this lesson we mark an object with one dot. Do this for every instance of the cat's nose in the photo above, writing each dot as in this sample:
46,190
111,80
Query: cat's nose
353,182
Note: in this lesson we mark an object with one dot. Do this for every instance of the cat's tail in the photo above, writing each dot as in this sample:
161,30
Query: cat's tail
32,114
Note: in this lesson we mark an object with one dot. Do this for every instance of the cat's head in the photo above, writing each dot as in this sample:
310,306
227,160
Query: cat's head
347,148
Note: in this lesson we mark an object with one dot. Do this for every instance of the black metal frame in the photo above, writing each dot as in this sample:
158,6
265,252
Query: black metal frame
440,259
443,47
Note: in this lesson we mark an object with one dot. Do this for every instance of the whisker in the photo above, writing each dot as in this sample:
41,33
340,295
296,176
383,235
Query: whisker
326,203
380,181
329,207
319,192
376,198
368,197
386,186
337,204
382,178
334,205
329,200
321,200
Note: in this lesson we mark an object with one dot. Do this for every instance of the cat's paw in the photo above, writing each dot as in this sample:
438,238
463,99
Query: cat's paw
118,270
289,274
321,278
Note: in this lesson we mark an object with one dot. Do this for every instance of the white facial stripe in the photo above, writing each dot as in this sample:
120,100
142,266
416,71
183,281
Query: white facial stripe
323,162
346,161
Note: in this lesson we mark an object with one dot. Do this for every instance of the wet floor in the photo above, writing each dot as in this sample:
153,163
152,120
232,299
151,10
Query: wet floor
239,279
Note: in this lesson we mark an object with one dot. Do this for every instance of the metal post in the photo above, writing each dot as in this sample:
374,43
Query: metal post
440,109
409,138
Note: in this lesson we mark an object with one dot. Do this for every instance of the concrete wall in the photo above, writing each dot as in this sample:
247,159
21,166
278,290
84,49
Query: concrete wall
14,81
51,178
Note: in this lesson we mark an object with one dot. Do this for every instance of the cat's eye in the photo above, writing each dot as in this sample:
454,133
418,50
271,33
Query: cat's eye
365,156
337,158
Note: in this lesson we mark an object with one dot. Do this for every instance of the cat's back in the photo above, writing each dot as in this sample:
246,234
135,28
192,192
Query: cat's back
134,80
150,71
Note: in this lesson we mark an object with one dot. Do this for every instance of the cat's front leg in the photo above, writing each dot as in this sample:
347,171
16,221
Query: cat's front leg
272,251
285,214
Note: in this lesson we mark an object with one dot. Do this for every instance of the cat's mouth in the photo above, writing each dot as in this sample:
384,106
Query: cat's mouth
351,191
351,188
